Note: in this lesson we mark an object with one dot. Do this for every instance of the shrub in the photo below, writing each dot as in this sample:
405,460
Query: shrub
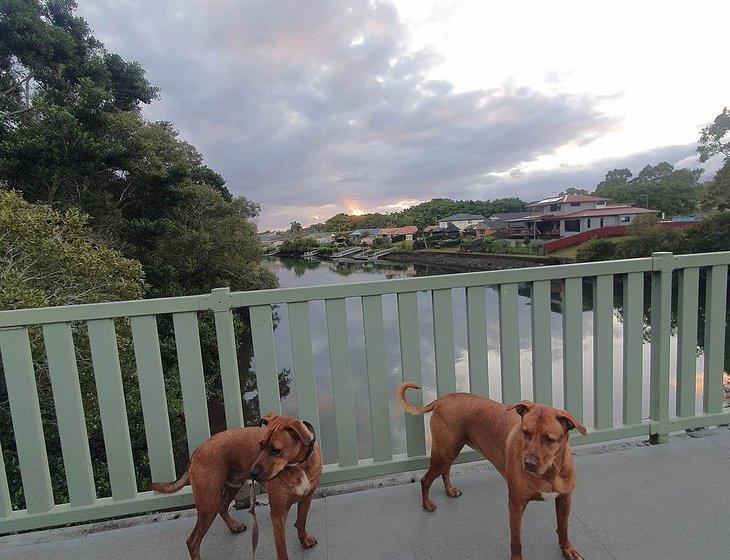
596,250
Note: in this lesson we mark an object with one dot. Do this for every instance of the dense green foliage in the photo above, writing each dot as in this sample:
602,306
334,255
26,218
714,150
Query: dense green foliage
710,234
424,214
660,187
297,245
50,258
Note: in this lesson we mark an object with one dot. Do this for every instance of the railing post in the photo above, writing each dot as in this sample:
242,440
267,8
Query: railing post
661,314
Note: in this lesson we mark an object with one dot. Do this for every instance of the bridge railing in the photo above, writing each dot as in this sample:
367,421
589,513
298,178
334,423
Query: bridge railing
636,278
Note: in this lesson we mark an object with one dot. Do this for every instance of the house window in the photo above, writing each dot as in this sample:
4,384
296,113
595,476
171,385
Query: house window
625,219
589,223
601,222
575,203
554,207
572,225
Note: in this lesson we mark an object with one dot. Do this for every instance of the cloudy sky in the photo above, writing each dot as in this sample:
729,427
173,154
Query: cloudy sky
312,107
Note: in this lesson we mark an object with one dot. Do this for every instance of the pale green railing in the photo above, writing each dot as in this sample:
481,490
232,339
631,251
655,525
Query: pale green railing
126,498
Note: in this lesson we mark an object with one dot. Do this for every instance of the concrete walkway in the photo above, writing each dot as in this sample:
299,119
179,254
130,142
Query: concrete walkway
633,501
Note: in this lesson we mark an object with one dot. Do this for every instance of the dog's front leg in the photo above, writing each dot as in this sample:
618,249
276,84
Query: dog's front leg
516,511
307,540
562,512
279,514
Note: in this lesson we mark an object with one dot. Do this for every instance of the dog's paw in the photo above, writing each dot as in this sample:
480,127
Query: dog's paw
429,506
571,553
236,527
308,541
453,492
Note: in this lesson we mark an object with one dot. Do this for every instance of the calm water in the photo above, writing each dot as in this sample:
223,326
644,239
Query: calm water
298,272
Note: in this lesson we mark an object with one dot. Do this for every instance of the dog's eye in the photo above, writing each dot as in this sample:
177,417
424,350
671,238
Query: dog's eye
526,433
549,440
262,445
274,452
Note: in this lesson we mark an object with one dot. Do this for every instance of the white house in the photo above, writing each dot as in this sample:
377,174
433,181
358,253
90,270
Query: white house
461,221
585,220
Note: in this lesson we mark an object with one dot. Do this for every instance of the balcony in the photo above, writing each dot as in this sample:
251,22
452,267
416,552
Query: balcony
627,499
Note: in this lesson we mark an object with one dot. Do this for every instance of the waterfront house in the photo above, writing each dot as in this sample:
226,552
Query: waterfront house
394,234
461,221
364,235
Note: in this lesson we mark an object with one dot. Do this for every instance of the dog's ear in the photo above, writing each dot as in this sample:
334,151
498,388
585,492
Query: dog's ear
570,422
522,407
266,418
304,432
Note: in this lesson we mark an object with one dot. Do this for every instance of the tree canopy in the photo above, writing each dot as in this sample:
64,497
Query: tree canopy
660,187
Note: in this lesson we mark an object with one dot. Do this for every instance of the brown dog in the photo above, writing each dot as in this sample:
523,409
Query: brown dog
283,456
527,443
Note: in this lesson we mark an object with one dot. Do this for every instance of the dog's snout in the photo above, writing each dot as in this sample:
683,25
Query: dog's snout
531,463
255,472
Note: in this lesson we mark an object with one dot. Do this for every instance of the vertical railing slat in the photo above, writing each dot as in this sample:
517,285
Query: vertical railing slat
344,401
372,315
573,346
26,415
192,380
228,360
476,328
687,307
443,338
661,326
509,343
264,353
64,376
542,348
113,408
715,319
6,506
410,352
151,379
633,343
603,352
303,361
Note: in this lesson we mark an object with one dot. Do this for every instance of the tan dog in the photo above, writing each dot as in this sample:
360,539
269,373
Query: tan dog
282,455
527,443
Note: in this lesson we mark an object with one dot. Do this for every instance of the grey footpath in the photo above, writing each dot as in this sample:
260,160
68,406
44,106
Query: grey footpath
633,501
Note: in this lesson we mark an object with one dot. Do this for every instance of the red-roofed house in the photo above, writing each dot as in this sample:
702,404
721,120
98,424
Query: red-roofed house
399,233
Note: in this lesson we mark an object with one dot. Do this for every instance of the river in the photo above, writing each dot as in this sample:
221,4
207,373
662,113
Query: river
300,272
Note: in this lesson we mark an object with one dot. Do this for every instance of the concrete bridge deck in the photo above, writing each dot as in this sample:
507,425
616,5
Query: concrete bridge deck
633,501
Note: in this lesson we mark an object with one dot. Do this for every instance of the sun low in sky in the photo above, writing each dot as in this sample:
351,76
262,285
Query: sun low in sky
306,106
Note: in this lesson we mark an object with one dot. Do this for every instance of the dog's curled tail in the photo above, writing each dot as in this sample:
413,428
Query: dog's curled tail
408,407
170,487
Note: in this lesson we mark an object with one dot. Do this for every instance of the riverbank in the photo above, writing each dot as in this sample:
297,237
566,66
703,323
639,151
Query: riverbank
469,261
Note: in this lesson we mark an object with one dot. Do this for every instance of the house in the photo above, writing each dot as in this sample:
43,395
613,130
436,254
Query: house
360,234
323,238
399,233
585,220
484,228
461,221
430,229
544,217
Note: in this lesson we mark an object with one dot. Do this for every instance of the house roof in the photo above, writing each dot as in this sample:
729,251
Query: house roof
405,230
607,211
500,220
366,231
568,198
461,217
429,229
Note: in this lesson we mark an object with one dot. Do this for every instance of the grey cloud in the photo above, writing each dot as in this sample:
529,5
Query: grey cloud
312,103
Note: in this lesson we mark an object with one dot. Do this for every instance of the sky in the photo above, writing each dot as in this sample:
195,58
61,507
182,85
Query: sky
315,107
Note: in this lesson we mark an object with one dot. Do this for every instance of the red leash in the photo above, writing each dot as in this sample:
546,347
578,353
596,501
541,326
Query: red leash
255,526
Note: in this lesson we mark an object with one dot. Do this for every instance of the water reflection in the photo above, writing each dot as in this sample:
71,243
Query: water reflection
298,272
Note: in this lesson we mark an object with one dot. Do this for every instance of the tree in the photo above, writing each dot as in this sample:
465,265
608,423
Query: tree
660,187
712,136
50,258
295,227
715,195
573,190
